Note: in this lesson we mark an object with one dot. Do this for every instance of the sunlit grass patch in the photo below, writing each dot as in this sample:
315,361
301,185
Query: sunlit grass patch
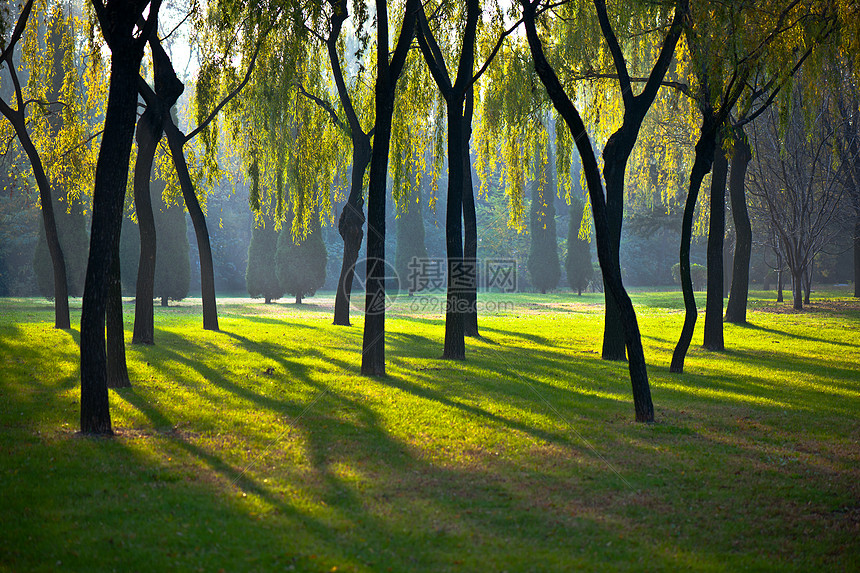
260,447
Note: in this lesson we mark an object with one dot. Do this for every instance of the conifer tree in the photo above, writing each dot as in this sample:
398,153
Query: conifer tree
544,266
578,262
301,262
261,279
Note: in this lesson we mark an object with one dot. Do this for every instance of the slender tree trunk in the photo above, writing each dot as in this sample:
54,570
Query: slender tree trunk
613,173
108,195
642,403
701,166
268,301
455,345
713,337
164,302
58,262
117,371
779,277
148,135
176,142
470,227
298,299
351,228
736,309
807,284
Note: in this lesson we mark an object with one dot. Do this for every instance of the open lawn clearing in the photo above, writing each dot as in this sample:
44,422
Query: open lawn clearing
261,447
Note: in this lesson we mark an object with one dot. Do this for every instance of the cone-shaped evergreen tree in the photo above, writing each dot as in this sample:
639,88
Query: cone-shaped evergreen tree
261,279
74,241
410,241
578,261
172,268
544,266
301,263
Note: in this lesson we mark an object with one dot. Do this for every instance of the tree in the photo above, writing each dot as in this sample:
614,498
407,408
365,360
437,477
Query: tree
260,276
300,262
119,21
18,119
387,73
172,271
642,403
544,266
578,261
797,182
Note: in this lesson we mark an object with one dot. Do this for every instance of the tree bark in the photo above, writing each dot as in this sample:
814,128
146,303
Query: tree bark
108,194
797,289
298,299
713,336
117,370
351,228
455,345
736,309
470,227
373,343
176,142
701,166
643,405
148,135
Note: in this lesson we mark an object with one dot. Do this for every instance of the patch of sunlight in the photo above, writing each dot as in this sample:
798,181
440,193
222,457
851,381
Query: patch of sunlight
722,395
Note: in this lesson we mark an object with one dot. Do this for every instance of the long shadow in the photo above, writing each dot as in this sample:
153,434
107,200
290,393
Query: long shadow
751,326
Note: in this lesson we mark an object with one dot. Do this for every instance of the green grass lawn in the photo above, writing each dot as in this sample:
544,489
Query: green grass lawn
261,448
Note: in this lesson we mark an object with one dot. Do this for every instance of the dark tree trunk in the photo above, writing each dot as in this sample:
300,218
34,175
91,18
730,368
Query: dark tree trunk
117,371
455,345
779,280
701,166
613,173
268,301
807,284
164,301
797,289
351,227
176,141
58,263
373,343
713,337
108,194
298,299
736,309
148,135
470,227
643,405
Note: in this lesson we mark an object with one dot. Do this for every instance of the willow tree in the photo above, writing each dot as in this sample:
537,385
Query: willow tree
643,405
718,82
44,97
119,22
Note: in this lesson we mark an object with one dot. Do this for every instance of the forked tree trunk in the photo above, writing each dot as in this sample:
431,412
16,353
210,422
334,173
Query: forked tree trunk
642,403
713,336
736,309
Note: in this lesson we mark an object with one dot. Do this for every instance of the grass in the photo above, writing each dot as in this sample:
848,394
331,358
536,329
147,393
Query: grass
261,448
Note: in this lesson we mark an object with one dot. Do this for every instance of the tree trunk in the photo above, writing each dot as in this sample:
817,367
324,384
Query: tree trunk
108,194
268,301
613,174
351,227
797,289
164,301
117,370
779,280
455,345
713,337
470,227
736,309
148,135
642,403
807,284
58,262
701,166
176,142
298,299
